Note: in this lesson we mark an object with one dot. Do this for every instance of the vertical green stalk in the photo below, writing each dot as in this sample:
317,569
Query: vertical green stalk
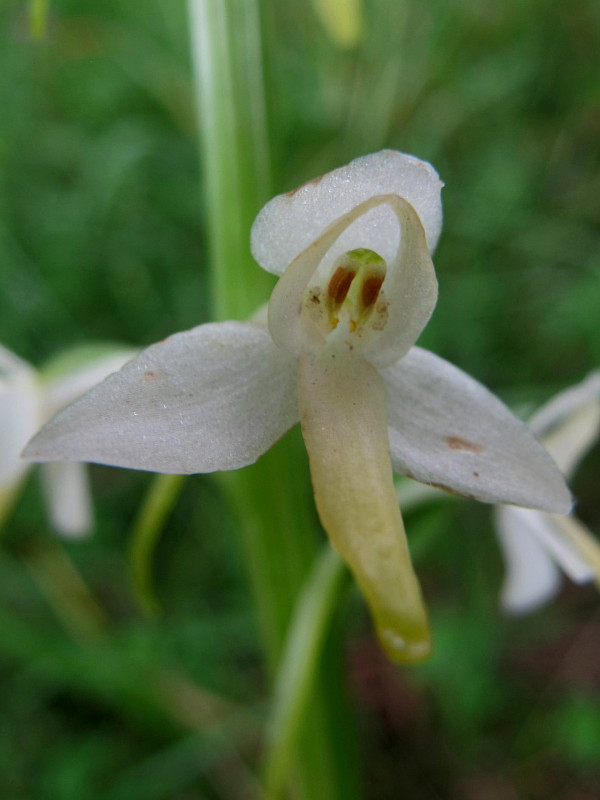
272,498
147,527
310,625
226,49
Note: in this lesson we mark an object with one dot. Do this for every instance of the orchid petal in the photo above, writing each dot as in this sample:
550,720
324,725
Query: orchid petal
342,410
288,330
410,287
566,403
569,423
569,442
212,398
291,222
68,498
446,429
557,539
532,576
19,414
583,542
60,391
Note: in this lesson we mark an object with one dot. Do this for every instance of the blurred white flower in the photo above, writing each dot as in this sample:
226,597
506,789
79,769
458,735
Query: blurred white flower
537,545
27,400
356,288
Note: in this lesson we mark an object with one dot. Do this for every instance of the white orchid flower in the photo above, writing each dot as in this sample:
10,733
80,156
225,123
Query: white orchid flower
536,545
357,286
27,400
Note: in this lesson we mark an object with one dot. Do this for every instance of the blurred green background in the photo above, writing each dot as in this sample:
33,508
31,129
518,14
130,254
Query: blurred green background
102,238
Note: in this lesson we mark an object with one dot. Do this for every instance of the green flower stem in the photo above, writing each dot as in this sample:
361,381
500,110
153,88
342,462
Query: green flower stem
272,498
311,621
228,70
160,499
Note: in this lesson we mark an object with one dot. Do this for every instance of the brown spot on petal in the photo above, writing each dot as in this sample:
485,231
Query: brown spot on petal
456,443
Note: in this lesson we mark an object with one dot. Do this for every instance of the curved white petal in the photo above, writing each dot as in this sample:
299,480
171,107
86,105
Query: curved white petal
289,223
570,441
569,423
532,576
410,288
448,430
212,398
68,497
565,403
19,414
60,391
584,564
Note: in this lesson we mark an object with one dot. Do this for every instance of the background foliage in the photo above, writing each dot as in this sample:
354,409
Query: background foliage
101,238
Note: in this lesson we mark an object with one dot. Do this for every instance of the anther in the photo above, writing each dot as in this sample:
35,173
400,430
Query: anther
370,290
339,285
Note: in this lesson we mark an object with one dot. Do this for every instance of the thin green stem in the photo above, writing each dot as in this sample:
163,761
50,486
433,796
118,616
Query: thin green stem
307,630
228,70
160,499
